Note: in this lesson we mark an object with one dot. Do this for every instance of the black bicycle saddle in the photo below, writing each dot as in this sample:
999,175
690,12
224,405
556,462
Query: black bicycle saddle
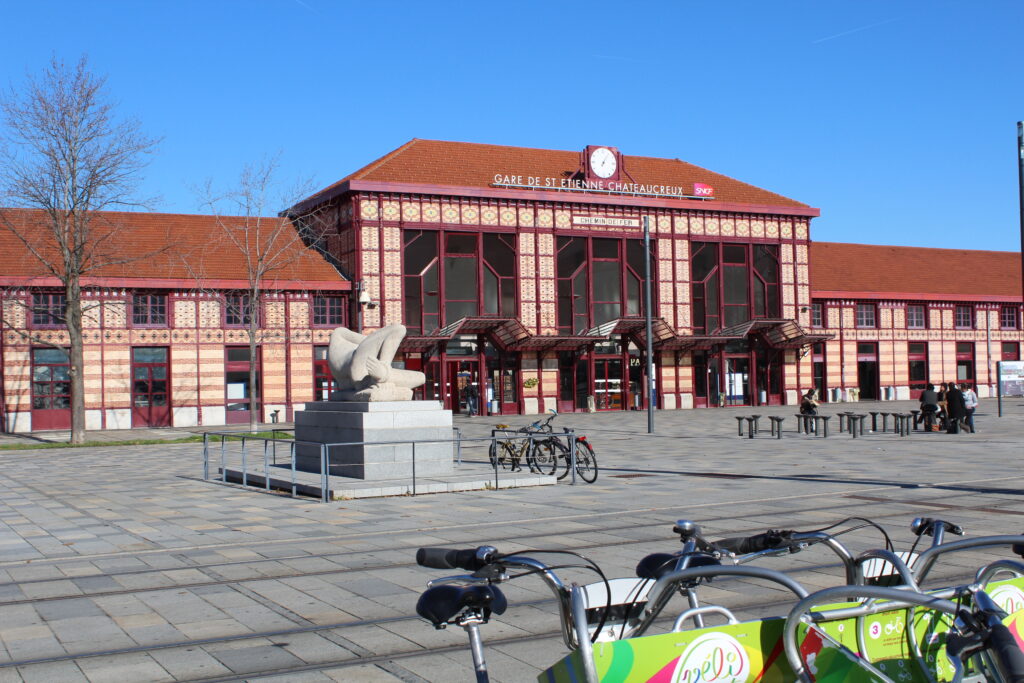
656,565
440,603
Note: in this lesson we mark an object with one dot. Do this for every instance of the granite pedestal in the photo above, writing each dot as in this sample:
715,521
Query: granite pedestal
383,433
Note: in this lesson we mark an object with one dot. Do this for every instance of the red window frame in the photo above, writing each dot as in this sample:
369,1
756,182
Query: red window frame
963,317
1008,318
867,315
923,319
817,315
48,310
150,310
237,314
1010,351
329,311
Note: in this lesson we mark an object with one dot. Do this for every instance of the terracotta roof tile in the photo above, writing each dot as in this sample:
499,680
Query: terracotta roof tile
922,271
197,246
467,164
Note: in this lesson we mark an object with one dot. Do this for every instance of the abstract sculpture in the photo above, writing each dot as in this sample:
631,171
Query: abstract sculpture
361,366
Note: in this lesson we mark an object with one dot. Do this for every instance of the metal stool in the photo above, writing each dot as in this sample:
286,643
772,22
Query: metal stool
757,428
824,420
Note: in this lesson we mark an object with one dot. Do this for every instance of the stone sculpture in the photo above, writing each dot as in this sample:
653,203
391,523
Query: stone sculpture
361,366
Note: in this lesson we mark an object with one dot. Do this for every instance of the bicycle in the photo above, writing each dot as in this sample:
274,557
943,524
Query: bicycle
620,611
610,609
549,451
509,453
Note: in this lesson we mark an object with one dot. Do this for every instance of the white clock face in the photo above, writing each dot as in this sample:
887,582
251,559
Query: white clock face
603,162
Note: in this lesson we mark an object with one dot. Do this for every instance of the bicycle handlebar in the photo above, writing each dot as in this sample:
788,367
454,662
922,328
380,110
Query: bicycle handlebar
744,545
470,559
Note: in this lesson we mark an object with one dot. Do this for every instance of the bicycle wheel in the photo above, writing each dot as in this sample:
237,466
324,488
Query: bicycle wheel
586,462
504,457
545,454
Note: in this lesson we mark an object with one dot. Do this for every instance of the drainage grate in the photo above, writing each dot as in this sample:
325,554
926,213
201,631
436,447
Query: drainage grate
630,476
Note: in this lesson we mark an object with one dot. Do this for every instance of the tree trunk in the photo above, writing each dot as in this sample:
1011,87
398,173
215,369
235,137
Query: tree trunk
73,317
256,395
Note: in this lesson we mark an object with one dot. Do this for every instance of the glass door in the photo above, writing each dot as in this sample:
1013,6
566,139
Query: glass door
737,381
51,389
151,405
240,397
462,385
608,389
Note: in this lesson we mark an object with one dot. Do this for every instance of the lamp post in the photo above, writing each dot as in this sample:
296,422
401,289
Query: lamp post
650,333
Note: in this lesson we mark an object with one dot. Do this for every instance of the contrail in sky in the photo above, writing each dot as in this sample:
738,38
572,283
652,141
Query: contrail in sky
854,30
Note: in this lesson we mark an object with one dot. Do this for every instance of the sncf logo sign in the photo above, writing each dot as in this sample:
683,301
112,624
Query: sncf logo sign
702,190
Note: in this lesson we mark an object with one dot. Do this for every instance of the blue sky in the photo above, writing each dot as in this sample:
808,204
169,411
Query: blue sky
896,119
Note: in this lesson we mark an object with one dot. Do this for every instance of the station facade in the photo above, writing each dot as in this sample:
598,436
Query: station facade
520,273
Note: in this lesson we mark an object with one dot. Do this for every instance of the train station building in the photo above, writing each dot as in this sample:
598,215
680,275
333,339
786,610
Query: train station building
521,272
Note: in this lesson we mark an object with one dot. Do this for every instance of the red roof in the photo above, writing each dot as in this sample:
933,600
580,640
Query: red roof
474,165
193,246
874,271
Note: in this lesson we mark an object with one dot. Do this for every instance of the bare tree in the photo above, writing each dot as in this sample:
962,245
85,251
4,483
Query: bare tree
269,247
64,152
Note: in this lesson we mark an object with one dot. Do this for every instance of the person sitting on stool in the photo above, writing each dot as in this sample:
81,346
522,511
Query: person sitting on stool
929,406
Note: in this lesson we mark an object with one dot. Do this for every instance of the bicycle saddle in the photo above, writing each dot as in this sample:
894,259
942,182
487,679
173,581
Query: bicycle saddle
440,603
656,565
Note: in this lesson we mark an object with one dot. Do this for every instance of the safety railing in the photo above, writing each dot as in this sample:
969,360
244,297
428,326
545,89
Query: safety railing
298,467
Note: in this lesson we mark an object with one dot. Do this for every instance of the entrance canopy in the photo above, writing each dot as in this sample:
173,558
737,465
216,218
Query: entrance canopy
511,335
779,334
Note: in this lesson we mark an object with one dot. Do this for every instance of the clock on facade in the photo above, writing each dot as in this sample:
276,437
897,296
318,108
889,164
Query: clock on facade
602,162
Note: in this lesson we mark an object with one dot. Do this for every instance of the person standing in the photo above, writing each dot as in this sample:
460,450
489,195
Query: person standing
955,410
471,395
970,404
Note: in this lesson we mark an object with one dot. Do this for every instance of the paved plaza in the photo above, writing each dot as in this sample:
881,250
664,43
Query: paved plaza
119,563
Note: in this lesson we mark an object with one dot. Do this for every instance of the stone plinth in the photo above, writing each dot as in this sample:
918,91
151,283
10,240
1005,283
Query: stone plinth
377,425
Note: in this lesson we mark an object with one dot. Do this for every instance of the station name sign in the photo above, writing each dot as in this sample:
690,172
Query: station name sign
700,190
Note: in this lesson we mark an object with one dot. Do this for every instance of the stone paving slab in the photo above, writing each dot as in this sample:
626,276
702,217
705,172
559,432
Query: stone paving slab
123,545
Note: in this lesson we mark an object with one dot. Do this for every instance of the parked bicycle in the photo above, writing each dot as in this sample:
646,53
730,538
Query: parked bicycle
857,639
509,453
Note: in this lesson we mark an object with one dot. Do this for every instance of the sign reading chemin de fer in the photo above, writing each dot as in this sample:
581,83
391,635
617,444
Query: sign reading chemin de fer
700,190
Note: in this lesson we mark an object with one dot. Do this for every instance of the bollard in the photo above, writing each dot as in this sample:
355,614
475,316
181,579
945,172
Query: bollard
739,425
874,420
799,423
885,422
915,413
750,428
756,426
824,419
778,423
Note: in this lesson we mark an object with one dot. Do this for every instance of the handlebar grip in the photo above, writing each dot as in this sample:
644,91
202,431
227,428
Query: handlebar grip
744,545
447,558
1003,646
470,559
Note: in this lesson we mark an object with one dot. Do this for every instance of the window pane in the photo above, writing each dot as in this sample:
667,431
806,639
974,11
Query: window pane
461,243
49,356
159,372
61,373
735,280
570,255
606,281
149,354
460,279
500,255
734,253
456,310
238,354
635,256
41,373
632,294
606,248
964,347
490,292
141,373
766,263
419,252
917,348
605,312
704,259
